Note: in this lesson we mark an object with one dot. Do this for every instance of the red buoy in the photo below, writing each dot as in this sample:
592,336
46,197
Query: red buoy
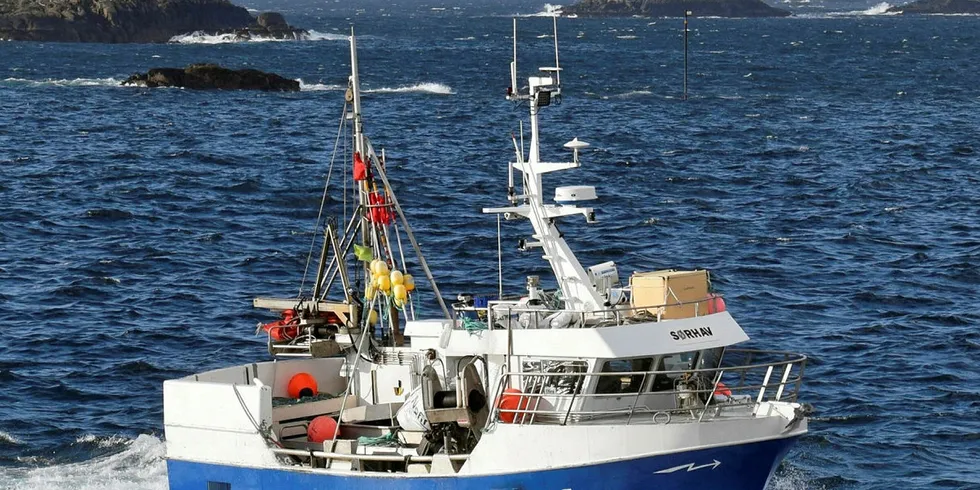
285,328
321,429
722,390
715,304
512,399
300,385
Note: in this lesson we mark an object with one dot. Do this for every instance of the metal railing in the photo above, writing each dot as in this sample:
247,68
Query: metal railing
737,386
508,314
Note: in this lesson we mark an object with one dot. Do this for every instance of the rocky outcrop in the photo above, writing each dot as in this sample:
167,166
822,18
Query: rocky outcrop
208,76
125,21
674,8
938,7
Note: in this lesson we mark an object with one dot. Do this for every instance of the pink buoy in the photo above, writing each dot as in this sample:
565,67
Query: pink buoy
716,304
321,429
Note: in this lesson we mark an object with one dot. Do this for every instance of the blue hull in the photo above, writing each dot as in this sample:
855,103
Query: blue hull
742,467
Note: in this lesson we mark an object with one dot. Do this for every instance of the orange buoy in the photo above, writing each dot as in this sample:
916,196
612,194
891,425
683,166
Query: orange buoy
722,390
285,328
715,304
512,399
300,385
321,429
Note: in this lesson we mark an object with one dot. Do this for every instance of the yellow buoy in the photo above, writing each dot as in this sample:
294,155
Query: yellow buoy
400,292
384,284
372,317
369,292
397,278
409,282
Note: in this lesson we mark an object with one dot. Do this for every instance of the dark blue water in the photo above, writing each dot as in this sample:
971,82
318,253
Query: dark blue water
826,169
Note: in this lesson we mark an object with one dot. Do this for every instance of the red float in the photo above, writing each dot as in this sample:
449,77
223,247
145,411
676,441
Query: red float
300,385
512,399
321,429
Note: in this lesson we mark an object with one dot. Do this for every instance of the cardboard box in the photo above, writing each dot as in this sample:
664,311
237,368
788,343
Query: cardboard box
670,294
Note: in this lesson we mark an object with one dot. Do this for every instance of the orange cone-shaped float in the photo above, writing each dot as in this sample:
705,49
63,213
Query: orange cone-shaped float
300,385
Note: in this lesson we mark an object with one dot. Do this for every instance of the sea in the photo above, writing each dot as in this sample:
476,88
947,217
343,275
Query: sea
825,168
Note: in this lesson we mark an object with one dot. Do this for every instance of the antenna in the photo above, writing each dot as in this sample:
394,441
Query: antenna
557,66
513,65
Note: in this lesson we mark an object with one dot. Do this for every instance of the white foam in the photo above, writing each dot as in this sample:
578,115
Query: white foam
318,87
9,439
633,93
200,37
427,87
75,82
878,9
550,10
139,465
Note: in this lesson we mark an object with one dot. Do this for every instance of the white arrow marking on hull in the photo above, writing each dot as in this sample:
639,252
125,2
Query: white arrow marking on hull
690,467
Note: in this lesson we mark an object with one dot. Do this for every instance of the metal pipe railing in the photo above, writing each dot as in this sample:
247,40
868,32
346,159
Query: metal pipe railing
745,391
619,316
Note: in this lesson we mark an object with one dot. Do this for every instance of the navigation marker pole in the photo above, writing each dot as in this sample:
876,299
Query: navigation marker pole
686,13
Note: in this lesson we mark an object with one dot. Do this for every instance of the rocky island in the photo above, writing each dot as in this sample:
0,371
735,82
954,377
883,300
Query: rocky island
131,21
938,7
674,8
207,76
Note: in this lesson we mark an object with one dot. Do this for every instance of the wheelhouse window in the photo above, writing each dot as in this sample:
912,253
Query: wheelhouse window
627,383
561,385
682,361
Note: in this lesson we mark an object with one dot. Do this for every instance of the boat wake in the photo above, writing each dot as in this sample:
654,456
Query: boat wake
139,464
199,37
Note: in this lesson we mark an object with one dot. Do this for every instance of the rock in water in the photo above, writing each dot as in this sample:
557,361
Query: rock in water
938,7
208,76
123,21
674,8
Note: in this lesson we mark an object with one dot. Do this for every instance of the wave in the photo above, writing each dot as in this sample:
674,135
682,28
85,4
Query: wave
201,37
318,87
426,87
75,82
550,10
139,464
6,438
878,9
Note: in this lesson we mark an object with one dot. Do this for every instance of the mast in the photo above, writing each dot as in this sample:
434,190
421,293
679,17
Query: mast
359,144
577,289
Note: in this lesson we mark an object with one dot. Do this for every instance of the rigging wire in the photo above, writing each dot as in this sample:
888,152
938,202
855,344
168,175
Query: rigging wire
323,199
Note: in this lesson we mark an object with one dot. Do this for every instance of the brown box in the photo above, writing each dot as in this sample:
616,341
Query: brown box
662,291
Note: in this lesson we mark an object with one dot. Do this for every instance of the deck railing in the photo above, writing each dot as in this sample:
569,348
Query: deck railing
745,379
504,313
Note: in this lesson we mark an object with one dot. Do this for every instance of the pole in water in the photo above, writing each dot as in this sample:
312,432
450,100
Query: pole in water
686,13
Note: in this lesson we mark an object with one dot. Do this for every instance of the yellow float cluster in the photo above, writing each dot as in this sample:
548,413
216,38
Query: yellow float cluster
394,283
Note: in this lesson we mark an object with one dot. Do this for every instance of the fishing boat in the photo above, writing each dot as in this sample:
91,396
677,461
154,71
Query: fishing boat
584,380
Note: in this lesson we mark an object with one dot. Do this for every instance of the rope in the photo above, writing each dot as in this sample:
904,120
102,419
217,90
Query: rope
473,326
323,199
388,440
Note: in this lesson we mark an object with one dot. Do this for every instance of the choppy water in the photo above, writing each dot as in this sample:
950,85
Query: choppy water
825,169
